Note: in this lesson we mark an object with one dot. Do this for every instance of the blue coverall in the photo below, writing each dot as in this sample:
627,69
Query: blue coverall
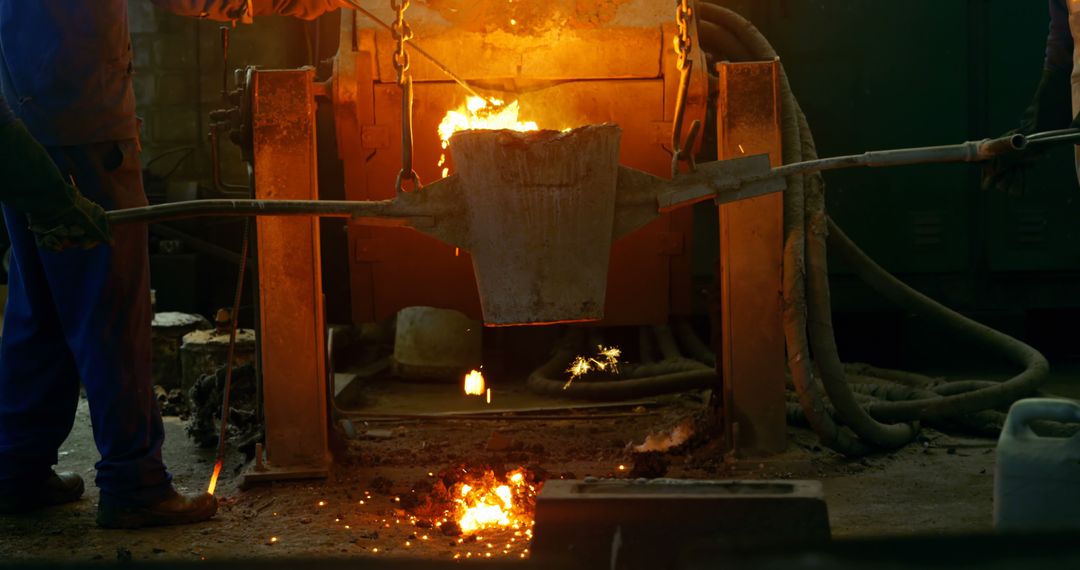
6,116
65,69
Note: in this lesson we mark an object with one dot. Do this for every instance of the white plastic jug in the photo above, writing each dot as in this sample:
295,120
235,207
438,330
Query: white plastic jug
1037,483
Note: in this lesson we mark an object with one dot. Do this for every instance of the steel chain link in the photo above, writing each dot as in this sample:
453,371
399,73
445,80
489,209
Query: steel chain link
402,33
684,45
684,42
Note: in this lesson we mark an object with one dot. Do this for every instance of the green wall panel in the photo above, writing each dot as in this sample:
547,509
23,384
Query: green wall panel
878,75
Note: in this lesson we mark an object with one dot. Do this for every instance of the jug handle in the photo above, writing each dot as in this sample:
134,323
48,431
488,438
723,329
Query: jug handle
1023,412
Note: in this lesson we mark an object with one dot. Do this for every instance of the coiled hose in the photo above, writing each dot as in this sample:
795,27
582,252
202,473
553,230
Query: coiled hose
673,373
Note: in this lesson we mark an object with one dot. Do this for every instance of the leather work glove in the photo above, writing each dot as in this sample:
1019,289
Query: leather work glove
59,216
73,222
1050,110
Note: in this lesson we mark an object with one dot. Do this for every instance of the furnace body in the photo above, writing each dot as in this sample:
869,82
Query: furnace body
566,66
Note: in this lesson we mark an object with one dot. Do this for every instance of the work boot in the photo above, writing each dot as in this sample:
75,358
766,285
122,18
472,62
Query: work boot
174,509
56,489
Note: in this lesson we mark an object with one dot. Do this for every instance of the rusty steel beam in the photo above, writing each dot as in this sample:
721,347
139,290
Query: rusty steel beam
291,325
751,258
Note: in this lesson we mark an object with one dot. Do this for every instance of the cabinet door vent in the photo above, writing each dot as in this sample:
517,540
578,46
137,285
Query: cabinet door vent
927,230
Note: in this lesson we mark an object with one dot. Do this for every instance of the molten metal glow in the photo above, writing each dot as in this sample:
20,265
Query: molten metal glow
477,115
474,383
606,360
491,503
213,478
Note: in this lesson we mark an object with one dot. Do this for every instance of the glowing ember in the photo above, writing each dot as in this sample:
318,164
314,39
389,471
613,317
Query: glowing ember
606,360
474,383
493,503
213,478
476,114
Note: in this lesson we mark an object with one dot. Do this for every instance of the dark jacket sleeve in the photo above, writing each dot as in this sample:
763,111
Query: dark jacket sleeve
6,116
224,10
1059,44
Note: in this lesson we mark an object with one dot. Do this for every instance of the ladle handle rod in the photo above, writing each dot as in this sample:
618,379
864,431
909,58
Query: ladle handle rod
974,151
226,208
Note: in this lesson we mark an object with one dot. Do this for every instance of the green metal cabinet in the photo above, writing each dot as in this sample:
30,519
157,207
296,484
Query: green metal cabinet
878,75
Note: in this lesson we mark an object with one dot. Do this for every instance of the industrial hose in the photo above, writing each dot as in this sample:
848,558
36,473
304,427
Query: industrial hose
673,373
808,234
992,394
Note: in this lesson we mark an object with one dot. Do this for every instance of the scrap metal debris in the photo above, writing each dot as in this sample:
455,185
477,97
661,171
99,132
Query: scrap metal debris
172,402
206,400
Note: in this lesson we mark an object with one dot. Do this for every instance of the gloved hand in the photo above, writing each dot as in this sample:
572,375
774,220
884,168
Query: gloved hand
1008,173
74,223
59,216
1050,110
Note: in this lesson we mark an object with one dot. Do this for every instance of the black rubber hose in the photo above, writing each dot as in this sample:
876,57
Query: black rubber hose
998,395
654,369
821,332
646,346
899,376
665,340
695,347
716,40
550,378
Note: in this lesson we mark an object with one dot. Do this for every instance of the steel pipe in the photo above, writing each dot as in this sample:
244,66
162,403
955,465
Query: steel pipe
227,208
973,151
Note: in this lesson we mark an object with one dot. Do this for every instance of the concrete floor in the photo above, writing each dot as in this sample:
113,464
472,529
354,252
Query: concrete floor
943,486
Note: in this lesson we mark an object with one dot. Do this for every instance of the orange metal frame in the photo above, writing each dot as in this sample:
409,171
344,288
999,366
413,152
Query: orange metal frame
291,323
751,266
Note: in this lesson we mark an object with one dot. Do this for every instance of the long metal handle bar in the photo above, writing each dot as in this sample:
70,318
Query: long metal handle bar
974,151
390,209
412,43
197,208
1054,137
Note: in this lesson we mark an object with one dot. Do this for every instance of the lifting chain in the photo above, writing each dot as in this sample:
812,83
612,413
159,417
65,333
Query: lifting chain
684,47
684,43
402,33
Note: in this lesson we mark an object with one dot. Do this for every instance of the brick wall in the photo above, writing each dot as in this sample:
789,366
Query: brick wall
178,74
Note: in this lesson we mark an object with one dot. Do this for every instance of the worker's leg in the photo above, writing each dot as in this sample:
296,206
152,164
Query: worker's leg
102,299
39,383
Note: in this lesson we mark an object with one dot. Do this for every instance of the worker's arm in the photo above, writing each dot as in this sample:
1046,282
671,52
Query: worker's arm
1052,109
1059,44
6,116
58,215
225,10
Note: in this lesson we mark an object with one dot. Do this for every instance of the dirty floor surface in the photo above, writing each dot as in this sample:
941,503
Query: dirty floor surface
939,486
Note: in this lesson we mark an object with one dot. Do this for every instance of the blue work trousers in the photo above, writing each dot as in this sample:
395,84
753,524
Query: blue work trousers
83,315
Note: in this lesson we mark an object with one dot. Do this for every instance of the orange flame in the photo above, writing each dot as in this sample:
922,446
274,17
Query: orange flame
213,478
474,383
493,503
475,114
